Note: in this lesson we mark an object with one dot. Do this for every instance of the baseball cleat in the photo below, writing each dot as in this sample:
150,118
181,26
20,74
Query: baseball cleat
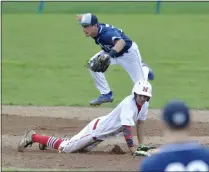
103,98
26,140
151,75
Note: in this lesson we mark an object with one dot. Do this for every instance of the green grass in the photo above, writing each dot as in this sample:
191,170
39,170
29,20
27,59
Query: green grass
107,7
44,57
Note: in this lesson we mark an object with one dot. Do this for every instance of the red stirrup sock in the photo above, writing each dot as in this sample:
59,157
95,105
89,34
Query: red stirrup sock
52,142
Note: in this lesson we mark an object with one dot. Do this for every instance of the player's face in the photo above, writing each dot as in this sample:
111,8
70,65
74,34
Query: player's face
87,30
141,99
90,31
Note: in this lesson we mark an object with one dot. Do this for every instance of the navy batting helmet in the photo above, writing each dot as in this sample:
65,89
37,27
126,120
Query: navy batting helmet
176,114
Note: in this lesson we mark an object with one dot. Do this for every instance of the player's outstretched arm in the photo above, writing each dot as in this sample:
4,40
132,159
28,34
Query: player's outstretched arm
119,45
129,138
115,39
139,131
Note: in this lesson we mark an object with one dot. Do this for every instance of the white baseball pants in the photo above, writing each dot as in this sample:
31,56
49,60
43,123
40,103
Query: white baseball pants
130,61
84,139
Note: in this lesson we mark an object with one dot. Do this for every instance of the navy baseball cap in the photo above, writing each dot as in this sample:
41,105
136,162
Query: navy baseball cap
176,114
88,19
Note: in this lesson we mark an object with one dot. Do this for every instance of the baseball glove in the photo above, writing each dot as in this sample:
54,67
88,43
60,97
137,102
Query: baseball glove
143,150
99,63
141,153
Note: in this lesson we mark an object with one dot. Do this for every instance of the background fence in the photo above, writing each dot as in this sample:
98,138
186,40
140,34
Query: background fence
107,7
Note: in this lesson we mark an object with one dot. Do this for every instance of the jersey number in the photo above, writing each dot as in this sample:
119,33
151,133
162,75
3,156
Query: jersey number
197,165
108,25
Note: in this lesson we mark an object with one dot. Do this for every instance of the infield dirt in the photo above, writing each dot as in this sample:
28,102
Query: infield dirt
59,121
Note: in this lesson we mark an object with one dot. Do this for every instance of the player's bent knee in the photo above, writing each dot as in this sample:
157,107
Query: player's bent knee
70,146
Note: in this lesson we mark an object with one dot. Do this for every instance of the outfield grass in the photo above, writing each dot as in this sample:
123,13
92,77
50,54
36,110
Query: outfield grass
107,7
44,57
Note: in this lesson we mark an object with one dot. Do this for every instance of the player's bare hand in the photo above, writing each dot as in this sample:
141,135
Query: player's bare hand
79,17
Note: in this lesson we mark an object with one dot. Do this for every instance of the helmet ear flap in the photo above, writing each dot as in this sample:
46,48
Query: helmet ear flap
135,95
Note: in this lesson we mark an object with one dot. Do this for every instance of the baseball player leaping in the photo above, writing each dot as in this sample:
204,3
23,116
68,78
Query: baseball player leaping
120,49
131,111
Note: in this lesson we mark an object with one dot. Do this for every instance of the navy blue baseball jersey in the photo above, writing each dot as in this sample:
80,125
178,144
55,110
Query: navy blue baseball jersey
178,157
107,34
